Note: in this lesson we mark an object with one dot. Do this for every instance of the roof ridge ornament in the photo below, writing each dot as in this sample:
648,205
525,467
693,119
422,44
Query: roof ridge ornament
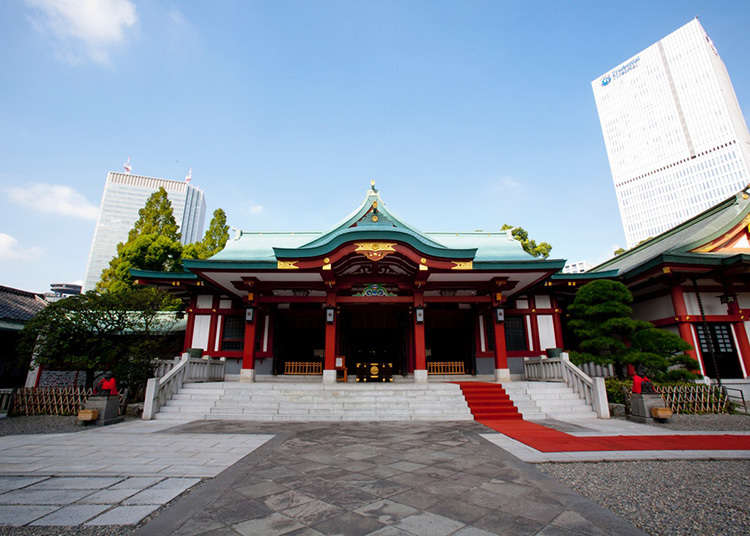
372,186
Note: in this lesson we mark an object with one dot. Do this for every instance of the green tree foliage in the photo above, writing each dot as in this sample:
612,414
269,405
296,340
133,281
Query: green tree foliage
119,331
213,241
619,251
153,244
529,246
601,319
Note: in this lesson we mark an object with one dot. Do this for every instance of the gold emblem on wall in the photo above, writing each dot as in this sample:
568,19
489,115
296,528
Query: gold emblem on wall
287,265
375,251
462,265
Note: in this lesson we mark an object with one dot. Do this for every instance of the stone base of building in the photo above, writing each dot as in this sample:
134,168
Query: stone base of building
502,375
247,375
329,376
420,376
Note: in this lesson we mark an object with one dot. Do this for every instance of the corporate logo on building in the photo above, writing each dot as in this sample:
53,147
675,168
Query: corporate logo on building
617,73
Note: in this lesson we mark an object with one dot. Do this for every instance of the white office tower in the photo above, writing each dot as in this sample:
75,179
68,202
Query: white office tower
675,135
124,195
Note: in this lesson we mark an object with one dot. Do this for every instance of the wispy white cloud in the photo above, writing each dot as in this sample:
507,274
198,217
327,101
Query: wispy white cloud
256,209
506,184
83,28
10,250
53,199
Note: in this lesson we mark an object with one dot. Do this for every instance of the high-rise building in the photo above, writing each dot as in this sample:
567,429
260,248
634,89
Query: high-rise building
676,138
124,195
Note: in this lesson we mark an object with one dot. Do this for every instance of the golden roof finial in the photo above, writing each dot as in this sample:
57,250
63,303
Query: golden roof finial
372,185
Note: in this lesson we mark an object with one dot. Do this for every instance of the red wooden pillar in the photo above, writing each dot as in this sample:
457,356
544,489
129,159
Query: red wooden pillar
190,326
502,372
686,331
329,363
420,358
743,345
248,349
556,319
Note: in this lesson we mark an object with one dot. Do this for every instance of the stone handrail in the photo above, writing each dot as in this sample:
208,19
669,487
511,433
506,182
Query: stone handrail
165,365
592,390
160,390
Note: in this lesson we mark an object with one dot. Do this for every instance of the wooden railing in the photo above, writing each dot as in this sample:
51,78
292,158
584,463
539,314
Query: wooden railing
592,390
160,390
303,368
53,400
445,367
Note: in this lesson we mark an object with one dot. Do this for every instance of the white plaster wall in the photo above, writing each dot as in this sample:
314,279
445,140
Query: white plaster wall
522,303
711,304
546,332
743,300
529,334
225,304
217,342
542,302
205,301
200,331
653,309
673,329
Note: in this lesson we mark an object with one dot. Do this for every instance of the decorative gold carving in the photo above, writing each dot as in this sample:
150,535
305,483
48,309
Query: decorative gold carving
423,261
374,218
462,265
287,265
326,267
423,268
375,251
713,245
326,260
667,270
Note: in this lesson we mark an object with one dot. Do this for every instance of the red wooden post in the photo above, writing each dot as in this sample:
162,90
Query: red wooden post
534,325
502,372
190,326
248,350
329,368
420,358
686,331
743,345
556,319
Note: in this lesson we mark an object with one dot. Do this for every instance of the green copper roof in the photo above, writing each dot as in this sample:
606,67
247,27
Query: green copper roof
247,247
675,244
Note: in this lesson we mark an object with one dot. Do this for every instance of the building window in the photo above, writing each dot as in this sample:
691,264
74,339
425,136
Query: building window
234,333
515,333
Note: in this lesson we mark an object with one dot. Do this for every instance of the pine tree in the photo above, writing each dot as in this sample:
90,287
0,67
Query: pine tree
601,320
213,241
153,244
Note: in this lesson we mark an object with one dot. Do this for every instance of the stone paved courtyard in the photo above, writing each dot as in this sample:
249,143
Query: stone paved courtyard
378,478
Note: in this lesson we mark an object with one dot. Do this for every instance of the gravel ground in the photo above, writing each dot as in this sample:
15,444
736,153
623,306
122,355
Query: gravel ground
38,424
706,423
667,497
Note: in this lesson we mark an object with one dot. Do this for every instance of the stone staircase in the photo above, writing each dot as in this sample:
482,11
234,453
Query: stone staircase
547,400
489,401
317,402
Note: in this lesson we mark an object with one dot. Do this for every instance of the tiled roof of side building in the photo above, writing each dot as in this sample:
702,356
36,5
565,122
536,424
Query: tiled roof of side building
19,305
682,239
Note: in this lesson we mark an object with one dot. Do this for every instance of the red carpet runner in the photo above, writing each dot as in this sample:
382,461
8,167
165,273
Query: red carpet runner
488,404
488,401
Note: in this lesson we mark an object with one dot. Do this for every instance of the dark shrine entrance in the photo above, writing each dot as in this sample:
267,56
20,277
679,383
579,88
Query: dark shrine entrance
449,338
375,333
299,339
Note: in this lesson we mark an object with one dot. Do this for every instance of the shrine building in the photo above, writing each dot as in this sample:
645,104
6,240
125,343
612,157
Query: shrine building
375,290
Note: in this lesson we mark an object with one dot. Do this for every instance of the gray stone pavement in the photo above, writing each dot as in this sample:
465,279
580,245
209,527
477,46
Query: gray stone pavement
384,479
115,475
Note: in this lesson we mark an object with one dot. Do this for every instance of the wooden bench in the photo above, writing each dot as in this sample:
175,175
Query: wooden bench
303,368
445,367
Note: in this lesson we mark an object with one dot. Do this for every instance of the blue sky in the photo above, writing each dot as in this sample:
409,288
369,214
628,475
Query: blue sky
467,114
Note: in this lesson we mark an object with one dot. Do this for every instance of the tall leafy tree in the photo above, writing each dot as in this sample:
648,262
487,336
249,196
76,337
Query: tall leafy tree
213,241
153,244
529,246
119,331
601,320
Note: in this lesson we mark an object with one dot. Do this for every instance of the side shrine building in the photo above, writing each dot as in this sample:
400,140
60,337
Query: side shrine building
374,291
